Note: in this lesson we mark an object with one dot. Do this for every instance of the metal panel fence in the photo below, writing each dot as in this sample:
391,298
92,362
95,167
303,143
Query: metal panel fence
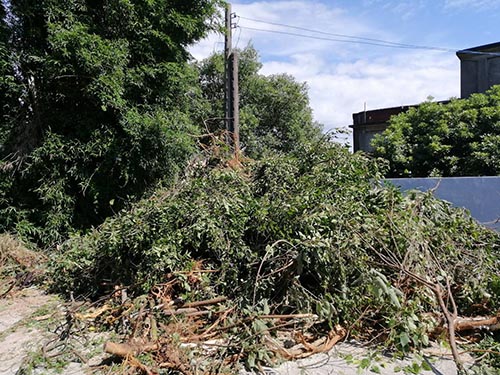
479,195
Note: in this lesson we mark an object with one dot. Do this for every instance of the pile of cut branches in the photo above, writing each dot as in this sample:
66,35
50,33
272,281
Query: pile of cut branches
305,233
160,331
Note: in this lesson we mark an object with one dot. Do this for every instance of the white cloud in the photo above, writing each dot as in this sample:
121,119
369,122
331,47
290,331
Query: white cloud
337,92
402,8
206,47
478,4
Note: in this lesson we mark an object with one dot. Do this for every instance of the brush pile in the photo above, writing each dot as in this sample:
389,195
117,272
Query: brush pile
251,261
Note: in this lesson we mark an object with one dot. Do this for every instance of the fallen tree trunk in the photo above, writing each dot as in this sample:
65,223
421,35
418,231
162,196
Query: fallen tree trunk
470,324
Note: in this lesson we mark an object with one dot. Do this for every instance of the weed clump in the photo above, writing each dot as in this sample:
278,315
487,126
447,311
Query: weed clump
19,266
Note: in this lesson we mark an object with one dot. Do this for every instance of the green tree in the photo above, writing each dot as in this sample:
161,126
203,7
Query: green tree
104,108
460,138
8,88
274,110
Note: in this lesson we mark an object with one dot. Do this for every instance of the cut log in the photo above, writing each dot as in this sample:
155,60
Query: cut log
129,349
471,324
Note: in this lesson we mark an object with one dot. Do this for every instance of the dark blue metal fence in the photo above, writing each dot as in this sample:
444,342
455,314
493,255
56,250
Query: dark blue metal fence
479,195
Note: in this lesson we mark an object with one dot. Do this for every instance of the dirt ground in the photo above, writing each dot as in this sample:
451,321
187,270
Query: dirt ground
16,337
28,332
353,359
29,335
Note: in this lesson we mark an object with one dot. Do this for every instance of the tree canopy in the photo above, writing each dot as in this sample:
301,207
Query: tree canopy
100,102
274,110
100,107
460,138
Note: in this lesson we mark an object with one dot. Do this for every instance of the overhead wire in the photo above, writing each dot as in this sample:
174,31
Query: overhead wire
350,38
355,38
239,36
344,40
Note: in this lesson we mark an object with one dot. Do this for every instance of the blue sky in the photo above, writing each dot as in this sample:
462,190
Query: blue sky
342,77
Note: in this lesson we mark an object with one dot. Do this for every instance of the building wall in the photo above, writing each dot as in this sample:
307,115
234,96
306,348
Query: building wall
479,69
478,73
363,136
367,124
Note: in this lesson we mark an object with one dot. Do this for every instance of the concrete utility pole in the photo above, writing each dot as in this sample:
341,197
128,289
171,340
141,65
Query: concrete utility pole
231,92
235,101
227,71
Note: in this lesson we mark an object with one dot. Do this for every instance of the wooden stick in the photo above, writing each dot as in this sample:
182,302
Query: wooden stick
288,316
136,363
207,302
129,349
322,345
180,311
198,313
197,271
451,318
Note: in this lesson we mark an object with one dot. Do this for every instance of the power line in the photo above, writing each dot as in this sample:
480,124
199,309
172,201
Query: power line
238,41
368,41
355,39
346,41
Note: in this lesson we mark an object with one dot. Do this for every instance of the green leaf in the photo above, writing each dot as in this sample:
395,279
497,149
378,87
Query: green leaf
251,358
404,339
425,340
349,358
426,366
365,362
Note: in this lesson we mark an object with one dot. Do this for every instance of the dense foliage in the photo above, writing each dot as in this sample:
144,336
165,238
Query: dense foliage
460,138
100,103
309,231
98,107
274,110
